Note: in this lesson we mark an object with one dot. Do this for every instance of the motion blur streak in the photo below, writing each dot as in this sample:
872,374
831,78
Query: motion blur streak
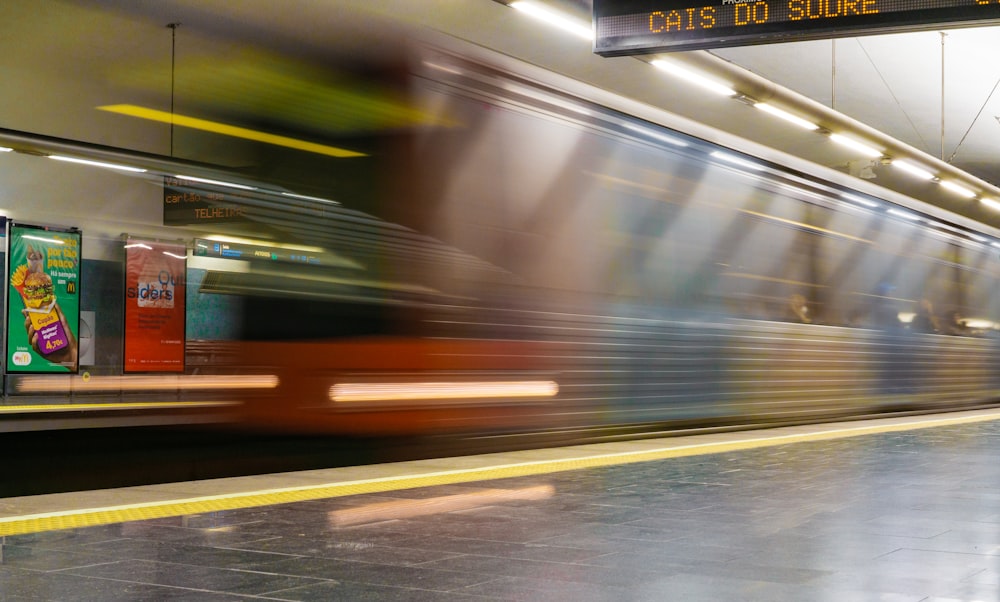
354,392
230,130
130,405
147,383
401,509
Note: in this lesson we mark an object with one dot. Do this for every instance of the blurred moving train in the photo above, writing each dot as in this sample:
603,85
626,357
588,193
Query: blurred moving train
536,261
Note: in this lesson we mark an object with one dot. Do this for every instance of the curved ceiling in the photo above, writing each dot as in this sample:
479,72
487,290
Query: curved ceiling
934,93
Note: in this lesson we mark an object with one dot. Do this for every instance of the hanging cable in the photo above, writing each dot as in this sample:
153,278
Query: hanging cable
943,35
173,68
892,94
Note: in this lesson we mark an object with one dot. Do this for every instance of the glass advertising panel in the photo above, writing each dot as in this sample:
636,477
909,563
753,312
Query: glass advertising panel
43,311
154,306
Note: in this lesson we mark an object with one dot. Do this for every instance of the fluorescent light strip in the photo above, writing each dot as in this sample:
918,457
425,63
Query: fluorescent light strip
215,182
229,130
174,255
994,205
556,19
782,114
958,189
306,197
98,164
860,200
656,135
138,245
737,160
905,215
913,170
861,147
694,77
4,149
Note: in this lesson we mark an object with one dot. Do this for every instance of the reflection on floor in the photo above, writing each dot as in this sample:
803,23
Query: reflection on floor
902,516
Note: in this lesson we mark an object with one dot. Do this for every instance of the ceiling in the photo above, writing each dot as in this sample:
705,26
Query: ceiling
277,65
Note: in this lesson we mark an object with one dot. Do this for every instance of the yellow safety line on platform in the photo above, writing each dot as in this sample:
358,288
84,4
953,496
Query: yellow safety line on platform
144,405
88,517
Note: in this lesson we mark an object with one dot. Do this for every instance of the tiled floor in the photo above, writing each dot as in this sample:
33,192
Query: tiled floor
903,516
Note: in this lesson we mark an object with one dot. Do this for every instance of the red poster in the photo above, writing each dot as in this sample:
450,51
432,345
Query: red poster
154,306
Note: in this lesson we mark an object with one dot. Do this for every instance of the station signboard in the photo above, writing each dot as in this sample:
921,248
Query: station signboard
624,27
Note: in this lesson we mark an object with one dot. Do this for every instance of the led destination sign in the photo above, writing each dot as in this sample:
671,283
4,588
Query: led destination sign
646,26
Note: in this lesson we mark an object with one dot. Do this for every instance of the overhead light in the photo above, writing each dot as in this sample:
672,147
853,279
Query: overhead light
694,77
958,189
229,130
4,149
138,245
98,164
730,158
905,215
215,182
912,169
994,205
860,200
306,197
861,147
174,255
656,135
773,110
555,18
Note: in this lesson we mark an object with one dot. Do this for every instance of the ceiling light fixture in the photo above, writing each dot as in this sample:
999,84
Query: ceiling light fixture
958,189
555,18
694,77
861,147
914,170
780,113
992,204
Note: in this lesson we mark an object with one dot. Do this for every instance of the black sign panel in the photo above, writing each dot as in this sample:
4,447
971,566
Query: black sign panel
188,202
644,26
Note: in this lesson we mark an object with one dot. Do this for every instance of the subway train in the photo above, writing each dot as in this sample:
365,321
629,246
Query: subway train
526,260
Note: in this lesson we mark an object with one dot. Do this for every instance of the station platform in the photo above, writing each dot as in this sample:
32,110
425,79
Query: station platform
895,509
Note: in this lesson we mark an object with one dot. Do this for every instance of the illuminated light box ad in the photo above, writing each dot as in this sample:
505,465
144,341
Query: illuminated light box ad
154,306
43,308
624,27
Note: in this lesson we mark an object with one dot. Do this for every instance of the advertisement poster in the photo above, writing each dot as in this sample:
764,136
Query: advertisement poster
154,306
43,311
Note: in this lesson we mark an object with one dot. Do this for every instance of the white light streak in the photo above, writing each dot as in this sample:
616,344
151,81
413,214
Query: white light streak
853,144
913,170
694,77
782,114
555,19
